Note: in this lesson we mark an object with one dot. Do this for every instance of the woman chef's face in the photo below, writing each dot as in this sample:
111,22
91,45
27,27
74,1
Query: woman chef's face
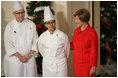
50,25
78,21
19,15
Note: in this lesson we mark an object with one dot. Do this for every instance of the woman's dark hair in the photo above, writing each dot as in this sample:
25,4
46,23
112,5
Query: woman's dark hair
83,15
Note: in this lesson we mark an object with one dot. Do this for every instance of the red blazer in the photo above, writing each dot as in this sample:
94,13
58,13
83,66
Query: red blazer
85,46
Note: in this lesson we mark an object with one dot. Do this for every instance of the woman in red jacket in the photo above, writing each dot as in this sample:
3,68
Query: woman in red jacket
85,46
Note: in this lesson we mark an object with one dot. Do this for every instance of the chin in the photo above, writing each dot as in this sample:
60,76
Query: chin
53,29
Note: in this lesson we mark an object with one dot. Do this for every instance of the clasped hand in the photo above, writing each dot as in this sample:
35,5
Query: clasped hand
25,58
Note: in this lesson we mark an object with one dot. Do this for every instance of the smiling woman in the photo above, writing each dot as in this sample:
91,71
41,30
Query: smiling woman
85,46
50,25
54,47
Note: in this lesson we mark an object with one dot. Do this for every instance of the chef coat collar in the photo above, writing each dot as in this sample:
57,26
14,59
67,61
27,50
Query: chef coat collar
55,32
19,22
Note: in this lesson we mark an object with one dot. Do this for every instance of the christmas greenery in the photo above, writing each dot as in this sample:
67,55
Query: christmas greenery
108,23
109,16
38,19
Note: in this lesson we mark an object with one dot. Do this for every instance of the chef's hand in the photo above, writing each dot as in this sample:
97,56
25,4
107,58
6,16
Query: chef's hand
92,70
23,59
29,55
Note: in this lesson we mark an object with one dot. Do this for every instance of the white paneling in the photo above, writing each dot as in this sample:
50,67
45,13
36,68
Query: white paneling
97,28
6,10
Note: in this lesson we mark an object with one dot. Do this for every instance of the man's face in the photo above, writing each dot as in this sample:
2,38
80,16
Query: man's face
50,25
19,15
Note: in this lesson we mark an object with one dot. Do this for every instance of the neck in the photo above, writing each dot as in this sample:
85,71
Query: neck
84,26
51,32
18,21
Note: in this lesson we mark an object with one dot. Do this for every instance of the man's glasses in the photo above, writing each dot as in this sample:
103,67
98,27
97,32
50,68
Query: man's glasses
19,12
50,22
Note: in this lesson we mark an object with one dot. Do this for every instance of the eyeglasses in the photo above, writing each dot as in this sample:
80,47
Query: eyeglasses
50,22
19,12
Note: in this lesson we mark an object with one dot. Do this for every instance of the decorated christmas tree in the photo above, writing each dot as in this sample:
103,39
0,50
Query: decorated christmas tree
38,19
108,29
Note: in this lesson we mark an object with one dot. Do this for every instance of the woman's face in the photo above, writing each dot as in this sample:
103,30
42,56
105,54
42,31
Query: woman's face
50,25
78,21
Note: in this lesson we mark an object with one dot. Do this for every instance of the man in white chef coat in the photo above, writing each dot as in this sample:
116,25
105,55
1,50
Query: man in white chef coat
20,45
54,46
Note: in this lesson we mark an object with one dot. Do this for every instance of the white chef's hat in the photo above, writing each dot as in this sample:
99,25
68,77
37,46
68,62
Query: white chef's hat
47,13
17,6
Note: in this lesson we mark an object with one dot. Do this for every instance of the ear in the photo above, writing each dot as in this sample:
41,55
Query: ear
46,25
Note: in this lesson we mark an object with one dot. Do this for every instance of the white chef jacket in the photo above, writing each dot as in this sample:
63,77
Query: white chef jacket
20,37
55,49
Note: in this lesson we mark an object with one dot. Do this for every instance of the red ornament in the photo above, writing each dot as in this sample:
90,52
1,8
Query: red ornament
36,16
42,31
45,28
37,66
41,16
36,4
39,26
106,22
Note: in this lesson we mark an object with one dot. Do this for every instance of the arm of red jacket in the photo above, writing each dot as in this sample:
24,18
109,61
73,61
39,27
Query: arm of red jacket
72,44
72,47
94,49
